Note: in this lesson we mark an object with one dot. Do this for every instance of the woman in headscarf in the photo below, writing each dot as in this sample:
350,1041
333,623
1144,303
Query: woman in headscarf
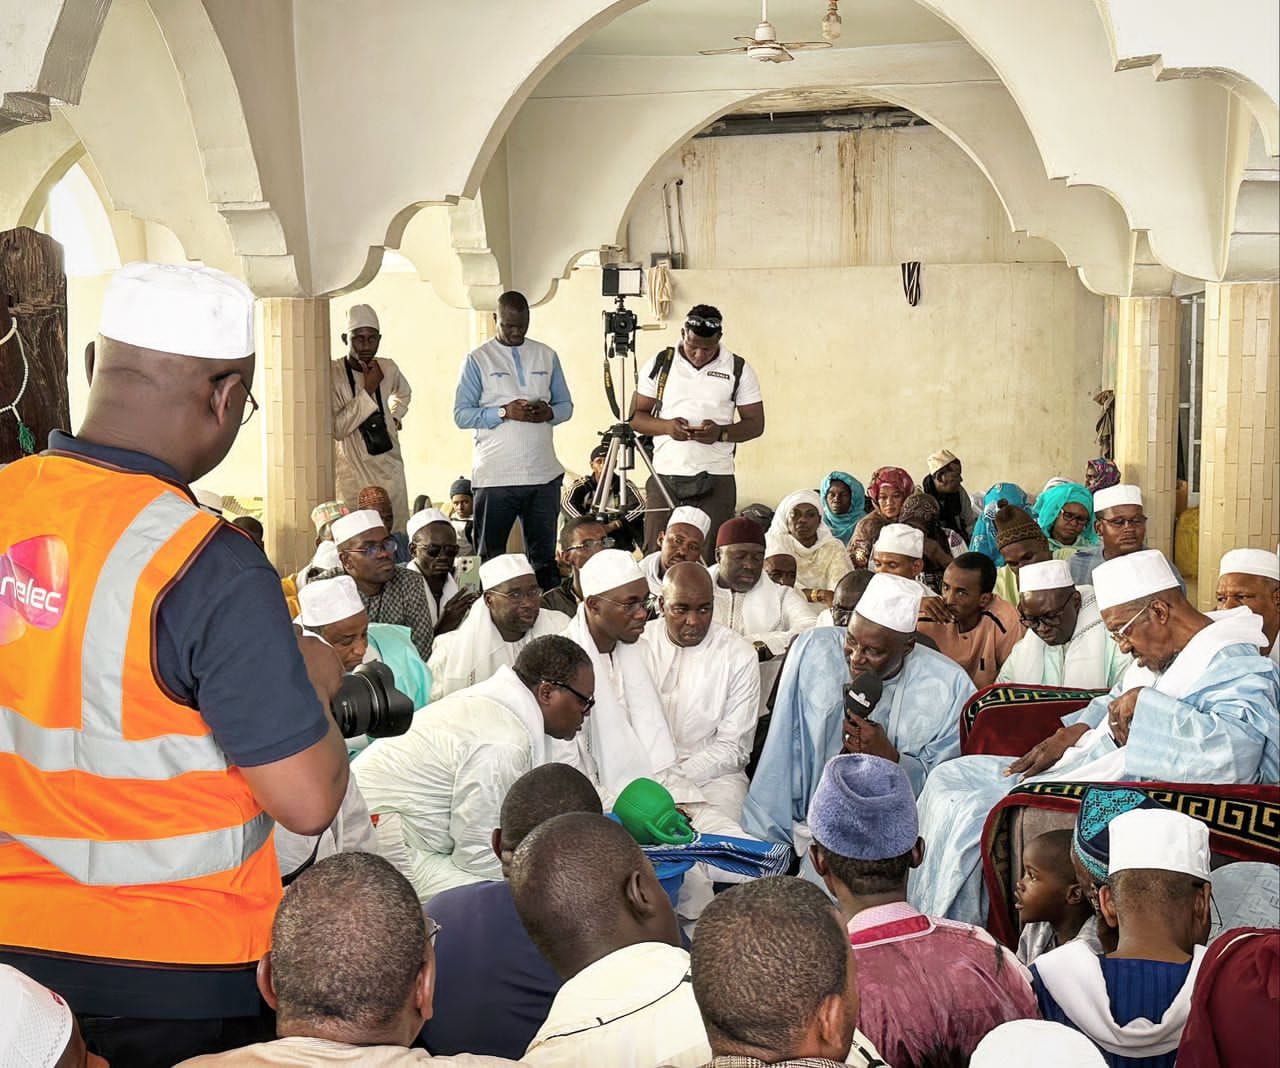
1101,474
798,529
945,484
1065,514
922,512
984,530
844,502
864,540
890,488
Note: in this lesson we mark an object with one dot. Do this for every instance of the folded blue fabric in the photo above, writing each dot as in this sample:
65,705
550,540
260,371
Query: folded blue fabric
742,856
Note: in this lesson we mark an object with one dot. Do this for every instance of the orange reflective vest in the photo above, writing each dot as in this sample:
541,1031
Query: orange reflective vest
124,833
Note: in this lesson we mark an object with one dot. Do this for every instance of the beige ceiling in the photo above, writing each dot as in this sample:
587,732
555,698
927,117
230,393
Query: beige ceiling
682,27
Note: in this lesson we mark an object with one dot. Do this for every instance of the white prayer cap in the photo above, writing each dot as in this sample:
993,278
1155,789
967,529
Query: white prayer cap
1251,562
902,540
208,500
891,601
326,601
174,308
694,517
503,569
1050,575
1114,496
607,570
361,315
938,460
421,519
1052,1045
1130,578
1159,838
326,556
352,525
35,1026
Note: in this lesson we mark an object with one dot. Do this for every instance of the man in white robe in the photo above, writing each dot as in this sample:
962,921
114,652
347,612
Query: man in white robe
437,790
433,546
915,722
1065,643
1198,705
363,384
506,619
710,690
680,541
627,737
1251,578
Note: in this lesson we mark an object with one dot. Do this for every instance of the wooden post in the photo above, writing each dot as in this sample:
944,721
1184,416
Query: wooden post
33,291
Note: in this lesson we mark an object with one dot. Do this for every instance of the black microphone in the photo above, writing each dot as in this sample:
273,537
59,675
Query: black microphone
862,694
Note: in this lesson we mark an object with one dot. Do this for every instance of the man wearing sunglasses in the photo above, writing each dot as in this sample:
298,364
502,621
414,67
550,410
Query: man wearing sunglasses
390,594
1200,704
437,789
1065,643
686,398
508,617
433,544
1121,525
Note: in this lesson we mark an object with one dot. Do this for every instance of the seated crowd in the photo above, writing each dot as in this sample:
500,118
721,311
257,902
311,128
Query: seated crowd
792,685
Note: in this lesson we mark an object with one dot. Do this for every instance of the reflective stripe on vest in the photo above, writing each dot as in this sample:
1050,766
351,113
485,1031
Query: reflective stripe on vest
99,747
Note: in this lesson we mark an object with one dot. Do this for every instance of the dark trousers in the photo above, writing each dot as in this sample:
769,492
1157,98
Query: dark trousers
537,507
163,1043
719,504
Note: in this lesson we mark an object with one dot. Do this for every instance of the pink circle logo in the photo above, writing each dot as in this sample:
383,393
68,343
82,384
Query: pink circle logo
33,586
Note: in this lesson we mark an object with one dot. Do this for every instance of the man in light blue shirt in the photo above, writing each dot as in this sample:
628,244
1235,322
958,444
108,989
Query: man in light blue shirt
511,392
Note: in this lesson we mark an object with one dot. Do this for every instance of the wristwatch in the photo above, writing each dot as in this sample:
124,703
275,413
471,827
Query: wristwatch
502,412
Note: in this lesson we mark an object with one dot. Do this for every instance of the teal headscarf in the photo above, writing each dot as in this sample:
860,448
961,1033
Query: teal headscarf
841,526
1049,506
984,530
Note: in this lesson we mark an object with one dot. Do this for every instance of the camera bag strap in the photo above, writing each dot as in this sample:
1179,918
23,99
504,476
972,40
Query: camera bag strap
663,368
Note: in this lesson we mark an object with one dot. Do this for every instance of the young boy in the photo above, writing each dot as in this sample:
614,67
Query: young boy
1049,897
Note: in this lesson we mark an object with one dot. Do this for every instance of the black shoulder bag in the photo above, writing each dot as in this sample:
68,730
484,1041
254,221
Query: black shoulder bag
377,438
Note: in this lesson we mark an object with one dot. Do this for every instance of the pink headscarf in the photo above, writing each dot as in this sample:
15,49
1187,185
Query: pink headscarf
889,476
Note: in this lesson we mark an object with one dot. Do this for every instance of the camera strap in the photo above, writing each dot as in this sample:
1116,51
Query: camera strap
608,385
351,381
662,369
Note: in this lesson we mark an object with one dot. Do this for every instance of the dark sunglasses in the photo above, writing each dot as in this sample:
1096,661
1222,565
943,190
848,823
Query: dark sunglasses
588,703
439,550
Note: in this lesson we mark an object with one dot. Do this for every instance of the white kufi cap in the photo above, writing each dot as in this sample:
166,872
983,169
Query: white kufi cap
694,517
1130,578
1114,496
503,569
352,525
1159,838
901,540
35,1023
326,601
326,556
1051,1045
361,315
1251,562
182,310
208,500
607,570
421,519
1049,575
891,601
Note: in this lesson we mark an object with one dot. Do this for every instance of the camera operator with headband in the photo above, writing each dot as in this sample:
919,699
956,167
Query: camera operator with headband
686,398
370,399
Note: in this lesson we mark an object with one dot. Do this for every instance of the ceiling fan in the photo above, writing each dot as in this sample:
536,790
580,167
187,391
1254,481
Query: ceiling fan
764,44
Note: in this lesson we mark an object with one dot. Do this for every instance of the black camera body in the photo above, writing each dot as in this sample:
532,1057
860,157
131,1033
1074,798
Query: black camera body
368,702
620,327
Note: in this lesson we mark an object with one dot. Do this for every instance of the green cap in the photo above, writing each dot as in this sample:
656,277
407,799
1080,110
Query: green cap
649,814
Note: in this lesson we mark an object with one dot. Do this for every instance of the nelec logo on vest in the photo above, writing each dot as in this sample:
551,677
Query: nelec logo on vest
33,586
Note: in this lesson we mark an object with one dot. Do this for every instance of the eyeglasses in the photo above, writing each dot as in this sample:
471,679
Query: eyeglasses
251,405
518,595
591,543
1120,524
1049,619
588,703
630,607
1122,633
1073,519
703,325
439,550
386,548
433,929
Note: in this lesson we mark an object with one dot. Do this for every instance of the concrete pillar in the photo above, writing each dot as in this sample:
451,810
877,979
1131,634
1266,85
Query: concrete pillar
1240,450
1147,408
293,357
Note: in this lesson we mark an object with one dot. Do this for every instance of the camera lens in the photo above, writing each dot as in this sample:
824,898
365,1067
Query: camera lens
368,702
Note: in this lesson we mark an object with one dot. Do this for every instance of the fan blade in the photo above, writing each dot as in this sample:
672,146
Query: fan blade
786,56
805,46
722,51
744,40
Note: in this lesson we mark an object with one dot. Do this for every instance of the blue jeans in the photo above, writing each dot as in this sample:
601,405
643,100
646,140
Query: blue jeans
537,507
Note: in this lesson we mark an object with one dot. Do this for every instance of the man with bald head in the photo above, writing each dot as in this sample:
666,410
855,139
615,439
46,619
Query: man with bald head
709,685
1251,578
681,540
160,613
592,904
